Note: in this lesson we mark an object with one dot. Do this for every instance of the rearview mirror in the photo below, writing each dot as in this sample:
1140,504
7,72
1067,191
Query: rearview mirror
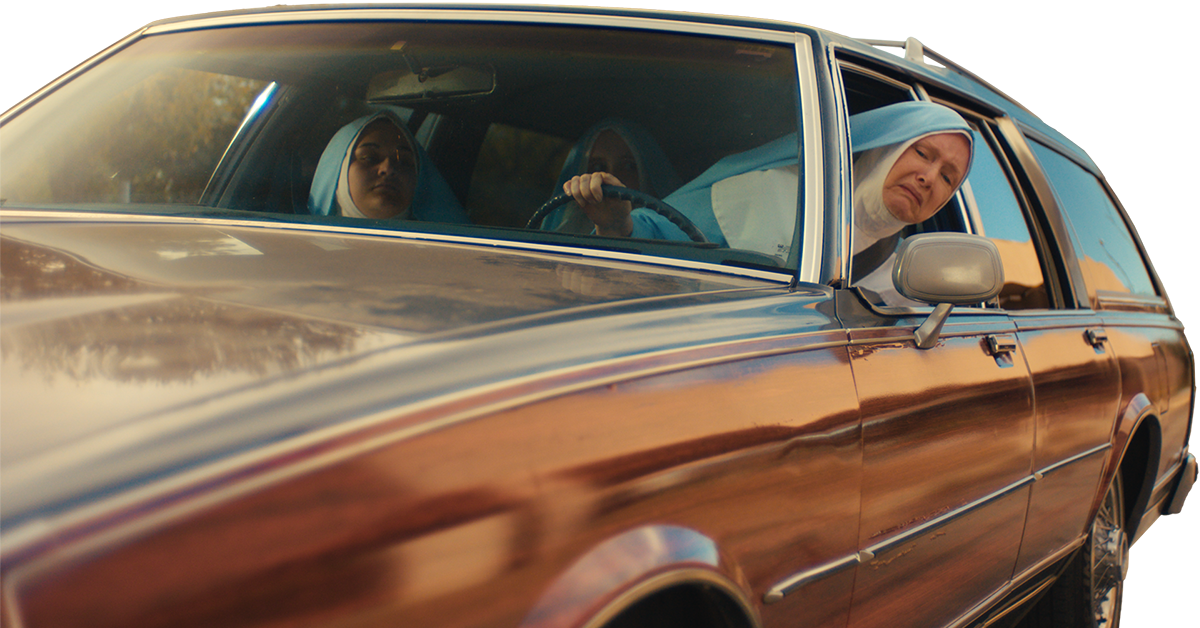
431,83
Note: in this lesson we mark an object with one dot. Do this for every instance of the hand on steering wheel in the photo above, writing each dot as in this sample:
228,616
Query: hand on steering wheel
638,199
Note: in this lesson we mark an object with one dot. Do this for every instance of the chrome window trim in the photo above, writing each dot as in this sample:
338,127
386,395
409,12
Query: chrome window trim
812,209
1051,313
873,74
809,264
1058,147
842,230
970,208
846,181
664,24
1072,293
1131,298
782,276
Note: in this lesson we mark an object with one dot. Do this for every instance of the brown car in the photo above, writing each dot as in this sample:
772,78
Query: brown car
234,393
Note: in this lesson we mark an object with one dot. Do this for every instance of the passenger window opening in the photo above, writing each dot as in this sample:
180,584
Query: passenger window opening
986,204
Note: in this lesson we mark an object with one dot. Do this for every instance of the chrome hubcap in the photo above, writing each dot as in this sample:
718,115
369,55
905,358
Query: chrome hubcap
1110,561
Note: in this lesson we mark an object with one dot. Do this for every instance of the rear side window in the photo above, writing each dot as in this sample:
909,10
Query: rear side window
997,215
1109,258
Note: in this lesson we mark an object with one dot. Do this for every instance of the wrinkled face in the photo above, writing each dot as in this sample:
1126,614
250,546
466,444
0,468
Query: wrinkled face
383,171
611,154
925,176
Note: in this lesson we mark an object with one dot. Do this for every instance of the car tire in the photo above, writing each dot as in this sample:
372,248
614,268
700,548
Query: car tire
1088,594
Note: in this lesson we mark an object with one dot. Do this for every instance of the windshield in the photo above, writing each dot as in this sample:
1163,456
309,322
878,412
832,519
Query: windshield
273,120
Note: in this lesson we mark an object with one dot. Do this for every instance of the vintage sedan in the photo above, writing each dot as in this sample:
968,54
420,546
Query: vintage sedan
232,397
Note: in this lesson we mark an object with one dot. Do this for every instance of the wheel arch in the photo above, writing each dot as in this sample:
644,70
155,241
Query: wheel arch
1136,453
709,598
641,572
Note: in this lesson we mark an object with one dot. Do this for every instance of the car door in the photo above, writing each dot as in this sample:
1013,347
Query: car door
948,435
1090,361
1073,373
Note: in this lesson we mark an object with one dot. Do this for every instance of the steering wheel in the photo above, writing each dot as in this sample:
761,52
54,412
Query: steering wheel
638,199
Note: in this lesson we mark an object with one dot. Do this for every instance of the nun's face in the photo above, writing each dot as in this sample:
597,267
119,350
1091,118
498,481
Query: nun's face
383,171
611,154
925,176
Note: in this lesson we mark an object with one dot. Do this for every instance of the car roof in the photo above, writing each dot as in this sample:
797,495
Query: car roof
942,72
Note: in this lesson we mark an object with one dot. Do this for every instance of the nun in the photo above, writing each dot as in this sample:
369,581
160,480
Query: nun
910,158
373,168
626,151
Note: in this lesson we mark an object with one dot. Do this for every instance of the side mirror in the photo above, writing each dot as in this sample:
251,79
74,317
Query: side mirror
946,269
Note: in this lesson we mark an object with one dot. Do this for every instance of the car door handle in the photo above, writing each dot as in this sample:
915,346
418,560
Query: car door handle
1000,345
1096,337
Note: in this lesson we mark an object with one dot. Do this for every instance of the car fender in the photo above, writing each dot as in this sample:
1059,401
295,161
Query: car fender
629,567
1137,445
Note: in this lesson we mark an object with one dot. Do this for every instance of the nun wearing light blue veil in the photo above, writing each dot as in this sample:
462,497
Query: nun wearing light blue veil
748,200
330,195
651,171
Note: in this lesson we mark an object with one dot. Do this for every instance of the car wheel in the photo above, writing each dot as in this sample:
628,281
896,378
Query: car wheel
1088,594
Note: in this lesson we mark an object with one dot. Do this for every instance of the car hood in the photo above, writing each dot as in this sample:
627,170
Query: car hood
121,338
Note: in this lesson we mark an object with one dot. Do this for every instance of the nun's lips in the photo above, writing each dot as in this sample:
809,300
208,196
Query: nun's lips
917,197
388,185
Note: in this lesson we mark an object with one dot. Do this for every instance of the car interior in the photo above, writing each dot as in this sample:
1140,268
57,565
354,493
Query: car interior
267,99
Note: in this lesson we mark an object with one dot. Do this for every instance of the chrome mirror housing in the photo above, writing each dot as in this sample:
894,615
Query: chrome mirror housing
946,269
955,268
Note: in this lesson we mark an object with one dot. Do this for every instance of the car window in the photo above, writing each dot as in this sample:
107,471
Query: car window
996,214
238,119
866,89
1109,257
516,171
986,204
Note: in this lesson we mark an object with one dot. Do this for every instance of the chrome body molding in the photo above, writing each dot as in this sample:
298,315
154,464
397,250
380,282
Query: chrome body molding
813,235
804,578
937,522
795,582
667,23
1073,459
